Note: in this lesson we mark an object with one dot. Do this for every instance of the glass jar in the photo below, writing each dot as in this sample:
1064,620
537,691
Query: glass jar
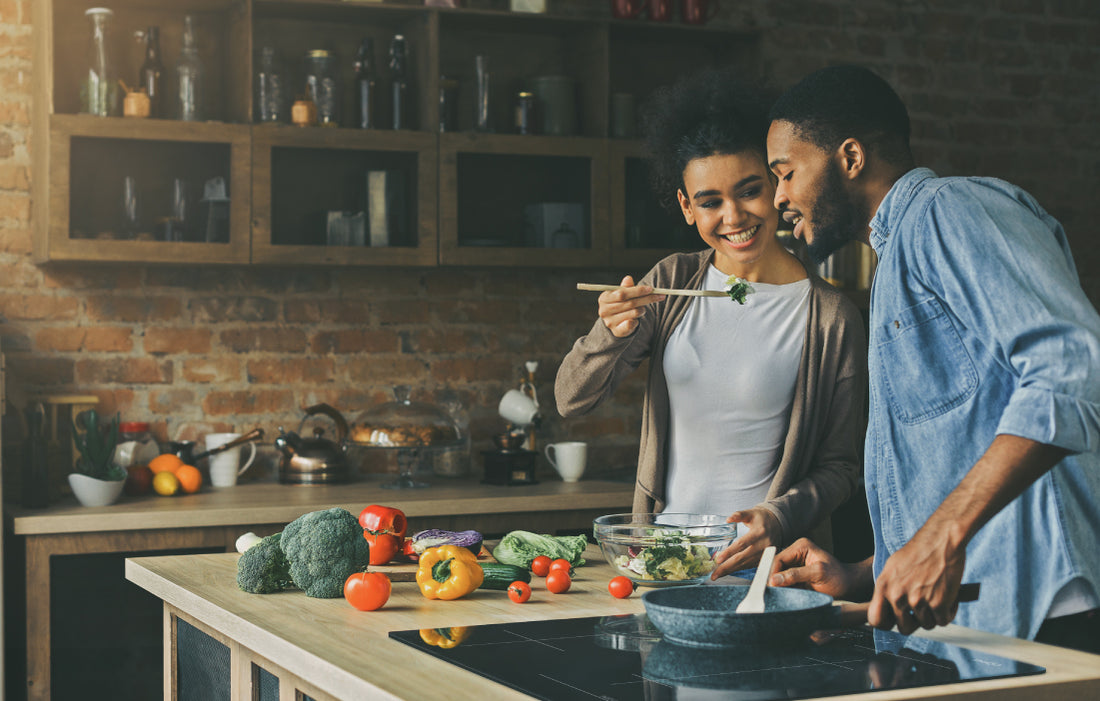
99,89
190,76
144,447
271,103
323,86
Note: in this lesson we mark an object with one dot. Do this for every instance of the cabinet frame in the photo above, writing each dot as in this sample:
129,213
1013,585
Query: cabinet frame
57,243
451,145
597,40
424,144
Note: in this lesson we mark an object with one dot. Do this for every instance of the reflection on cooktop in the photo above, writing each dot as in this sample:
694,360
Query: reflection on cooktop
622,658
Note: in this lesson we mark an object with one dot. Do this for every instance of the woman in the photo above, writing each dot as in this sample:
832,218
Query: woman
753,410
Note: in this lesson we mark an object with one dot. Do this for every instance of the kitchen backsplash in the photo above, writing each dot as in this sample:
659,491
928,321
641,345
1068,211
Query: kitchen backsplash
993,88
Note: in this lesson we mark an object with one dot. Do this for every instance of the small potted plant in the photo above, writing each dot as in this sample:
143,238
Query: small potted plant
98,480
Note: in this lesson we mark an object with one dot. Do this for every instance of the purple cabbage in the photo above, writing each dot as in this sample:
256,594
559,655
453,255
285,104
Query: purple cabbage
432,538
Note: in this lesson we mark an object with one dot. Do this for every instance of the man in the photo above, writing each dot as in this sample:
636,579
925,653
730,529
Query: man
984,360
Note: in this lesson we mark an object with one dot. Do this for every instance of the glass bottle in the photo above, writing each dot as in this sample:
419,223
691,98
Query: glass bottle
151,71
322,86
365,83
270,89
99,91
399,82
189,73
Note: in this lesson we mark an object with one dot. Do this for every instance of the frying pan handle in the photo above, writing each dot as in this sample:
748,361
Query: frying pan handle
855,615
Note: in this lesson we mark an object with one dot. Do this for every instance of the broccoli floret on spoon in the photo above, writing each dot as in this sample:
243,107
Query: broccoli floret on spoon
738,288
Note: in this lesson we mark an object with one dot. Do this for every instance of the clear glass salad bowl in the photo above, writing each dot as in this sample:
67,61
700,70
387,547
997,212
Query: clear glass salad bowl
663,549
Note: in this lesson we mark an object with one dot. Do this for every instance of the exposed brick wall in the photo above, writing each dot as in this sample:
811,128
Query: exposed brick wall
995,87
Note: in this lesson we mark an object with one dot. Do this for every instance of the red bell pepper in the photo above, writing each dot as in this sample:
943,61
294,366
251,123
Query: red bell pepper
383,519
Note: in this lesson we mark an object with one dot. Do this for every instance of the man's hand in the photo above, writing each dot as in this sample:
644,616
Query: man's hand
807,565
620,310
763,530
919,584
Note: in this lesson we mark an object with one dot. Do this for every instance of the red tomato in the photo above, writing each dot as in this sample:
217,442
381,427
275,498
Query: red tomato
620,587
562,564
367,591
383,546
540,565
519,592
558,581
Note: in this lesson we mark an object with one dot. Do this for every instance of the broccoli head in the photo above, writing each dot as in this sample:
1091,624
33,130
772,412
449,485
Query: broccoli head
324,548
263,568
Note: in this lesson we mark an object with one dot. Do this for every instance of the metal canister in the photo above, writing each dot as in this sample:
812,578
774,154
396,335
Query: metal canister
525,121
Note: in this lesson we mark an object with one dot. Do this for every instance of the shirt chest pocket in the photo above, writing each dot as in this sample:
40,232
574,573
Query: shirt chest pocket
925,369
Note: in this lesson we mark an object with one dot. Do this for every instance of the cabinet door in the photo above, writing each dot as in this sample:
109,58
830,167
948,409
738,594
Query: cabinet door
523,201
343,196
147,191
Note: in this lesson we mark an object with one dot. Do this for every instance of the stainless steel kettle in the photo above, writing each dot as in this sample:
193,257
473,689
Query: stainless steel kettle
316,459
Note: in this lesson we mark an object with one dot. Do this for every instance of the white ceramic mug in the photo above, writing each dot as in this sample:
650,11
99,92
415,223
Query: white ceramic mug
568,459
517,408
225,467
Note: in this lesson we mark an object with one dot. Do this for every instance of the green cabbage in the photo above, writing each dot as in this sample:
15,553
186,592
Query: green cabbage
521,547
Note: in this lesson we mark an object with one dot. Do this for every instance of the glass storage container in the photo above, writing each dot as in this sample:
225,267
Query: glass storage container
323,86
99,89
416,436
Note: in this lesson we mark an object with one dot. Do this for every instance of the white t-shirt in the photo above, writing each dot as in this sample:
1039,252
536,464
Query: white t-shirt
731,371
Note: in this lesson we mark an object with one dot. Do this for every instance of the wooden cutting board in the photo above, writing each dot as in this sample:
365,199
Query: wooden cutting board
406,571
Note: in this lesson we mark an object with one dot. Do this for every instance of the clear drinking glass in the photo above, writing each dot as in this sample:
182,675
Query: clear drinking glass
483,122
181,210
131,209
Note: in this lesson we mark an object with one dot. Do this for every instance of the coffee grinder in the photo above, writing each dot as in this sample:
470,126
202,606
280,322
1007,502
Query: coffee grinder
513,462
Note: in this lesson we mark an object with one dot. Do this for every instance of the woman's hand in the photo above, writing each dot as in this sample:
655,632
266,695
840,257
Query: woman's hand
807,565
763,530
621,309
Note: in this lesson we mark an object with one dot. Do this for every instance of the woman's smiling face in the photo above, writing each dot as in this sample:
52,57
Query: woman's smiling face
729,198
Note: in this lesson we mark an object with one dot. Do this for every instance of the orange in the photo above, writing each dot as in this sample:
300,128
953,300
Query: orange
165,484
165,463
189,477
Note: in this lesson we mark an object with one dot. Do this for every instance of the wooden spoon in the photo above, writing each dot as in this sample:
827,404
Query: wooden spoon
754,600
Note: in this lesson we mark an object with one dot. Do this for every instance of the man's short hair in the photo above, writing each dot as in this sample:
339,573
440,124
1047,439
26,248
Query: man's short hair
842,102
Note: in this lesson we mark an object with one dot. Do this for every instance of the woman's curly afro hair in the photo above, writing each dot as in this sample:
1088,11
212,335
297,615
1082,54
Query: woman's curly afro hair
713,112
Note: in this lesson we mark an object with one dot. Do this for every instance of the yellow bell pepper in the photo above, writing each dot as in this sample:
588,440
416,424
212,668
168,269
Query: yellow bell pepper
448,572
444,637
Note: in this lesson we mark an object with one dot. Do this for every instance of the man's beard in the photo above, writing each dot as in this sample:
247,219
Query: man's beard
837,217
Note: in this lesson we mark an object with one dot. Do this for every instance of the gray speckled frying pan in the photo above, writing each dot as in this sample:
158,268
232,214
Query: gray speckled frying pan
703,615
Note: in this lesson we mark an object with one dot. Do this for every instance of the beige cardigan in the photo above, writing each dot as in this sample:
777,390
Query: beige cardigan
822,454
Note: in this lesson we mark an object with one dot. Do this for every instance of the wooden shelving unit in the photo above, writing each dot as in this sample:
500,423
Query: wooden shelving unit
470,195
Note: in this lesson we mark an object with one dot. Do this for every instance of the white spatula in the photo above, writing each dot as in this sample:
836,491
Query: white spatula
754,600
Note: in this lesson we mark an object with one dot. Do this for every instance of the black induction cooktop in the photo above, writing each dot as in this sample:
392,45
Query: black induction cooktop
622,658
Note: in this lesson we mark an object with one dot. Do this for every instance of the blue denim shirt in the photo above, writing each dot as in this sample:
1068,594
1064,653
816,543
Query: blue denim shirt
979,327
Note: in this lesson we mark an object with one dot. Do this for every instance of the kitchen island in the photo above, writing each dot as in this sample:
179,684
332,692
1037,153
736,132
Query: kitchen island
327,650
213,518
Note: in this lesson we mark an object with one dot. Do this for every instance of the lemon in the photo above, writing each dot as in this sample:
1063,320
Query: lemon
165,483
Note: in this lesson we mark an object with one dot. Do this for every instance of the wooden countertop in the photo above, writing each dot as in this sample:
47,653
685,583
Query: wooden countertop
347,653
268,502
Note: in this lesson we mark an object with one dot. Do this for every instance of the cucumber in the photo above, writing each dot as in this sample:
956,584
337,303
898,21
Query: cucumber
498,576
